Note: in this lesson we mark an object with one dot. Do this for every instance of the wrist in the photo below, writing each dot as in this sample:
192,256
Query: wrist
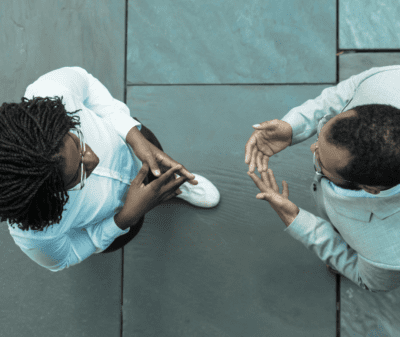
288,217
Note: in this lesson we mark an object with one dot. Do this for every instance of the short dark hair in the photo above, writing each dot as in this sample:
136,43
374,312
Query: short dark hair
372,136
32,191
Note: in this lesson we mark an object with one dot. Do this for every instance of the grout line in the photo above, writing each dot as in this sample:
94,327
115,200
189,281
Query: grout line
338,282
125,90
394,50
221,84
338,52
338,277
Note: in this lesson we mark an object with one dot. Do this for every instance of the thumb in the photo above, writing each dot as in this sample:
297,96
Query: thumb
154,168
262,125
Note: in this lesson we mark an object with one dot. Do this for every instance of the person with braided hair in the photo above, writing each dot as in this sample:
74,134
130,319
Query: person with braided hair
46,163
31,137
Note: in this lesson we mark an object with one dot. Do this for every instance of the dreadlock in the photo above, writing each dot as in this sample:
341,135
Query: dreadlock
32,191
372,137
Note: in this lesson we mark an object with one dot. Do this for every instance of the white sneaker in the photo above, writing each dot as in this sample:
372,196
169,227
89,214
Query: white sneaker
204,194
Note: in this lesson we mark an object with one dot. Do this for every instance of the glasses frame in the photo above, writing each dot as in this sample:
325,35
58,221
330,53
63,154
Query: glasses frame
80,185
318,168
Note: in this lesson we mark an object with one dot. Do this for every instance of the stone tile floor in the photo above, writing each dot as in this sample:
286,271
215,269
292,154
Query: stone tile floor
191,271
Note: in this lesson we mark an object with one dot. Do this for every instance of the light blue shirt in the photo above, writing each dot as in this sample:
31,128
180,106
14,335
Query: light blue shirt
367,250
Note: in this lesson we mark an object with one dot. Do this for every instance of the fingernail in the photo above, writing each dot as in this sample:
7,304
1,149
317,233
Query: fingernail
256,125
157,173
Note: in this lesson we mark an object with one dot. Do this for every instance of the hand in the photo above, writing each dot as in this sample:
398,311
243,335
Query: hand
269,138
281,204
142,198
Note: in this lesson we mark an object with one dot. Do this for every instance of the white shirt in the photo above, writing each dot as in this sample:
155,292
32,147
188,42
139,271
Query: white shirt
87,225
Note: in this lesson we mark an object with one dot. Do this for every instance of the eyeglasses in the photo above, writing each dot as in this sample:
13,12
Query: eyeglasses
318,168
80,185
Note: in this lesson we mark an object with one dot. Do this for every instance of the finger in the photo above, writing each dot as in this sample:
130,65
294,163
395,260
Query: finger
141,176
169,174
249,149
155,169
265,163
177,182
285,192
253,160
257,181
259,161
169,196
266,179
184,172
169,162
189,180
272,181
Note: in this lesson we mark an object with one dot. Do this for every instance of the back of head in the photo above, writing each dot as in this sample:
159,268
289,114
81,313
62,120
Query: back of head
372,137
32,191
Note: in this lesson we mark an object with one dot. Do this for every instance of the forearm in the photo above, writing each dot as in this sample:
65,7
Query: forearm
134,137
124,222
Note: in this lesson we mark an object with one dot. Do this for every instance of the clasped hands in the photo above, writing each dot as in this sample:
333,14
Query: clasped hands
159,162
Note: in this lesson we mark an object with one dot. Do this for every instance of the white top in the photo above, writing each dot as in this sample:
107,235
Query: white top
87,224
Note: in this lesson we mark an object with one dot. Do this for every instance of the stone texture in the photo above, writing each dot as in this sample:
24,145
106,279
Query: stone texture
236,41
352,63
369,24
230,270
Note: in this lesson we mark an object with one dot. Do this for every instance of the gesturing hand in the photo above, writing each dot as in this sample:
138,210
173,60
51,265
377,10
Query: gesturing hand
269,138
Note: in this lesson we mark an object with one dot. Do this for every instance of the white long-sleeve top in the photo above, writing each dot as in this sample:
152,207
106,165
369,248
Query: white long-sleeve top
87,224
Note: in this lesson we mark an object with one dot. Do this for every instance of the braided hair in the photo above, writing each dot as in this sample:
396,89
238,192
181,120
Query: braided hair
372,136
32,191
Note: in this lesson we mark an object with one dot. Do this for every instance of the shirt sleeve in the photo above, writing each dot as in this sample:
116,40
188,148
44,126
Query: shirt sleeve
318,235
88,90
304,118
56,253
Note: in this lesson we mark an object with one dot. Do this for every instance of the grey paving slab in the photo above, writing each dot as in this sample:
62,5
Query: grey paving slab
351,63
230,270
364,313
369,24
231,41
37,37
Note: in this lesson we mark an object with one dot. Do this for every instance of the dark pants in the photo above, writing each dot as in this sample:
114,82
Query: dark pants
122,240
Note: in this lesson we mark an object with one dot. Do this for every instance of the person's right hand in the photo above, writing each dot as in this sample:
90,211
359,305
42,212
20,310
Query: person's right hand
142,198
269,138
